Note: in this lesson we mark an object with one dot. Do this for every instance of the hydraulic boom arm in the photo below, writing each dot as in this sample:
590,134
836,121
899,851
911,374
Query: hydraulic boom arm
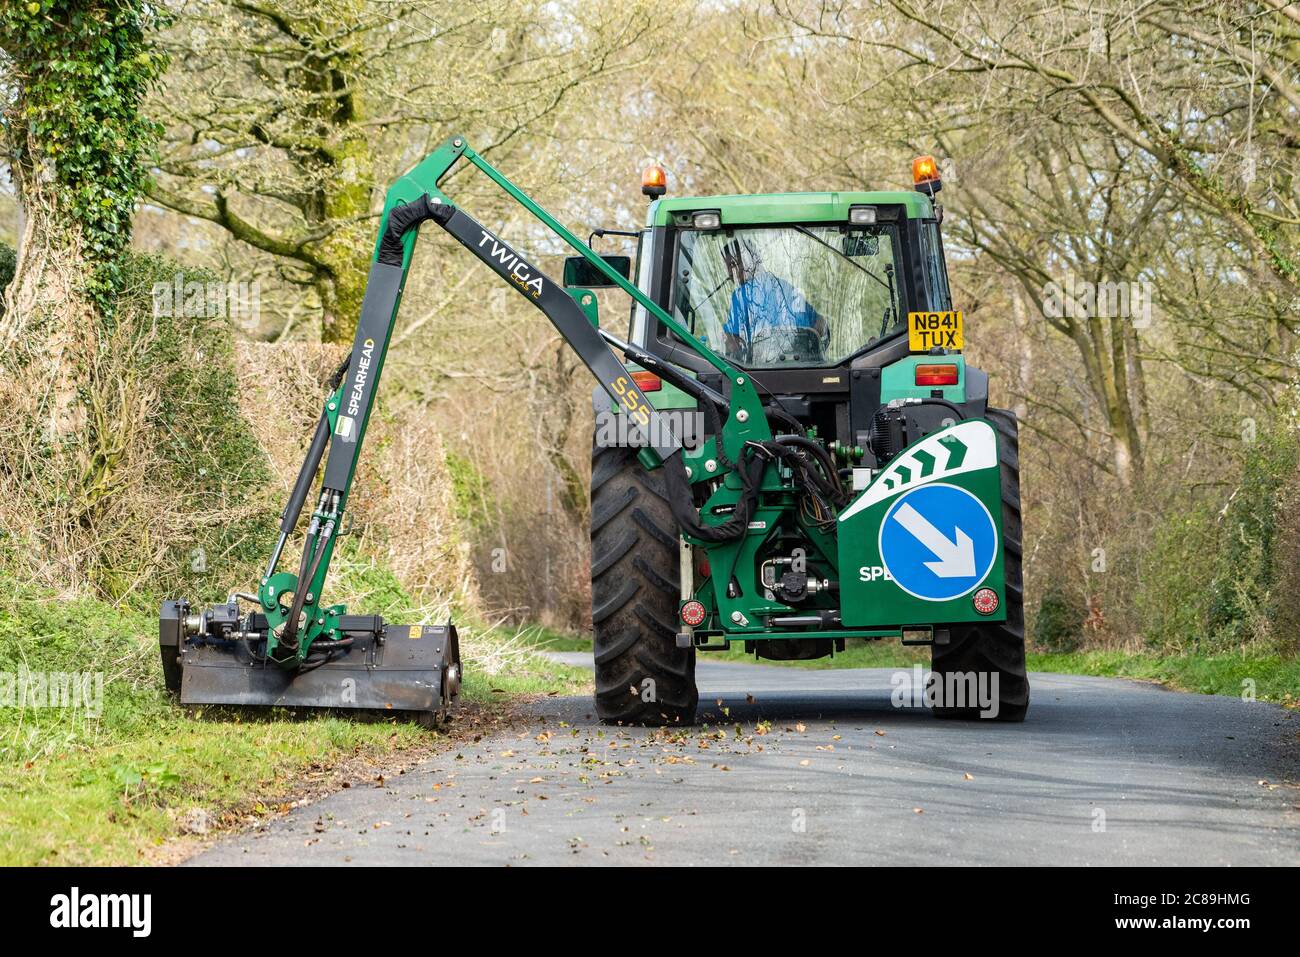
295,622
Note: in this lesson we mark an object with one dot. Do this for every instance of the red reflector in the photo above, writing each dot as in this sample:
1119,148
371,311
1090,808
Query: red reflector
985,601
703,568
647,381
936,375
693,613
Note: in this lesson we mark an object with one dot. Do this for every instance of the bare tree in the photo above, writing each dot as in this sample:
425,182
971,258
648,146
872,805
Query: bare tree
287,117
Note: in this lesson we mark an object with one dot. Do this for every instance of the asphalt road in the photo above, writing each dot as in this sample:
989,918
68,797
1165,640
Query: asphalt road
818,768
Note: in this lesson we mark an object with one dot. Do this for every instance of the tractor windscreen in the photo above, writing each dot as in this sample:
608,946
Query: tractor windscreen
789,295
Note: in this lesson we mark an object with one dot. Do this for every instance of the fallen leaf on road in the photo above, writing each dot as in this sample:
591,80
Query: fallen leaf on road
917,810
804,763
968,777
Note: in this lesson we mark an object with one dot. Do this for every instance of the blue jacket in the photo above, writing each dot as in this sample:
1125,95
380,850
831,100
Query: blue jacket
764,304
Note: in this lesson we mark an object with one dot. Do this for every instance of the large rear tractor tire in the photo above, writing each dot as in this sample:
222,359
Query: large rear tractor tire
642,677
996,648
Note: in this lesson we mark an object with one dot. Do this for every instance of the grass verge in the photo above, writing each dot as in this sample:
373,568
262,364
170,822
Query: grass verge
548,639
1268,677
105,784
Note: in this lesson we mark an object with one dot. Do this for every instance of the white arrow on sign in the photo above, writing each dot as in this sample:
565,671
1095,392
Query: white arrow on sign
956,559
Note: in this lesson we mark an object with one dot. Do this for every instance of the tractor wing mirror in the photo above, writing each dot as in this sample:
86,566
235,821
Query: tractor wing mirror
580,273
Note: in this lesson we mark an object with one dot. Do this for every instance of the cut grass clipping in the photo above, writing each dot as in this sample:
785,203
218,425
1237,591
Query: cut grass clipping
104,781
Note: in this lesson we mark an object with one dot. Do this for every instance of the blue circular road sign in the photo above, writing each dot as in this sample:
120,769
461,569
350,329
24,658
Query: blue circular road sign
938,542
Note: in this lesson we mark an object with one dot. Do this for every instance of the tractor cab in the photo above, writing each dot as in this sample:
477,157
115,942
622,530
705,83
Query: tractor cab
837,302
803,280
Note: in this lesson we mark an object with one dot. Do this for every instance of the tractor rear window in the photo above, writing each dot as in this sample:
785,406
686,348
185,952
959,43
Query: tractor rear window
790,295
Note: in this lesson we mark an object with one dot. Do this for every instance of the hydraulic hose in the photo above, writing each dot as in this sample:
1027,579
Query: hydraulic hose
665,370
315,659
834,488
336,378
776,412
682,503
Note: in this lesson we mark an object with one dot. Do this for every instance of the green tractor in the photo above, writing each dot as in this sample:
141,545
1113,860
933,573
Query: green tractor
886,503
792,452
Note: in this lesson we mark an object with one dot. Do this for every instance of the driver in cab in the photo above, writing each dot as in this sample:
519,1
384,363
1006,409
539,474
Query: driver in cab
767,313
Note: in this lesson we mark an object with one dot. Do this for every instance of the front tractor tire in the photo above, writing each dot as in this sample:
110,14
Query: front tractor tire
996,648
642,677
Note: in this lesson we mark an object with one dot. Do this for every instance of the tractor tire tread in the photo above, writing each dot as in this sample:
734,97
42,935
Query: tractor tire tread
635,591
997,647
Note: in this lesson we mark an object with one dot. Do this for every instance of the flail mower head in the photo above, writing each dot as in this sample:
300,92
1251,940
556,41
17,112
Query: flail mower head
218,656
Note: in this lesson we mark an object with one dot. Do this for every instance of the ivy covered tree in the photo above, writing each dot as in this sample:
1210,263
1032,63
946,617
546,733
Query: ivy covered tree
75,74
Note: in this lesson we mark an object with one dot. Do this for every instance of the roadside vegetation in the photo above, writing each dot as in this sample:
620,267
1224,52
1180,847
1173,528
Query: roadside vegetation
114,779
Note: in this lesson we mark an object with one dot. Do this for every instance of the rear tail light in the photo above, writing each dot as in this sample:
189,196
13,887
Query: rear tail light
693,613
985,601
945,374
649,382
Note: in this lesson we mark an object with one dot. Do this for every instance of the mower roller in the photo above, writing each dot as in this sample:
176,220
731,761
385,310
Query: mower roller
852,482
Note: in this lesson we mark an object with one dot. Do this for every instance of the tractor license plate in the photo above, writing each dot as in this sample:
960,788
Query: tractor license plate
929,330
